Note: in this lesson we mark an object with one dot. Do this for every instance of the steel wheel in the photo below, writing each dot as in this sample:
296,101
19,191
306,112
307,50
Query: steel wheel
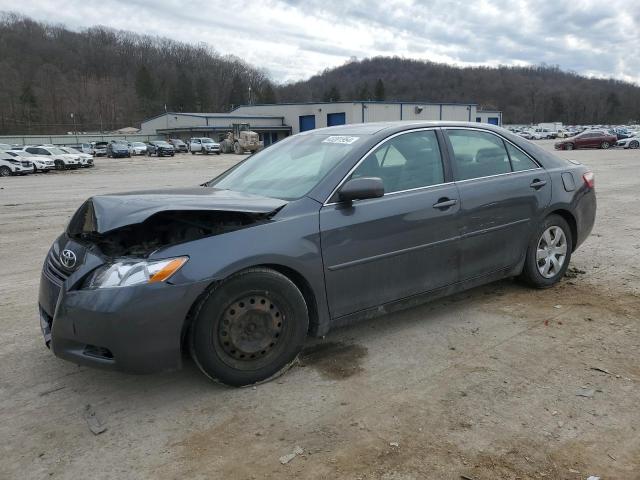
551,252
250,328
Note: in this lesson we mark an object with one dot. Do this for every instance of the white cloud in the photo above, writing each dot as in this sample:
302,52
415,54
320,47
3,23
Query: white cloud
293,39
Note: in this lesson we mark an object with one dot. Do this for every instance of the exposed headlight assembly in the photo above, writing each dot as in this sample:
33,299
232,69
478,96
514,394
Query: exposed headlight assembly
125,273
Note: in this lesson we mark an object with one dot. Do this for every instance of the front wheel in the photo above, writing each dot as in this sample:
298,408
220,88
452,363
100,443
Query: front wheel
5,171
605,145
59,165
634,144
35,169
568,146
250,328
192,152
549,253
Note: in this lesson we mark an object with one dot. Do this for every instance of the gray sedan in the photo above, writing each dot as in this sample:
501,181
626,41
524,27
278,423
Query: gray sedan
324,228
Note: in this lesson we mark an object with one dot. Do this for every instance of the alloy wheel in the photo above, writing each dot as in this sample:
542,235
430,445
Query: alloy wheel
551,252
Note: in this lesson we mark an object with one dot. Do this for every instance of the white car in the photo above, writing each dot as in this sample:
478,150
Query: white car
40,164
86,160
61,159
138,148
12,166
203,145
631,142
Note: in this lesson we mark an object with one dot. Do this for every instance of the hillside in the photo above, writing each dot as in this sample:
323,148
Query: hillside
110,79
525,95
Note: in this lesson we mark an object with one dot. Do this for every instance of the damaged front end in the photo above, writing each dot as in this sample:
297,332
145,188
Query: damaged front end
136,225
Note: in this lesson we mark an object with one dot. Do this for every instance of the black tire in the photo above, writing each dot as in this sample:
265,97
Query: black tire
192,152
217,153
531,273
35,169
568,146
59,165
5,171
259,342
634,144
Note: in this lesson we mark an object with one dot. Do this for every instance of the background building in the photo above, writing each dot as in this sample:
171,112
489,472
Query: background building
276,121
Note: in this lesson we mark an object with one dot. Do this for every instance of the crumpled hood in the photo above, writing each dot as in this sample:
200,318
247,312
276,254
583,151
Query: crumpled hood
104,213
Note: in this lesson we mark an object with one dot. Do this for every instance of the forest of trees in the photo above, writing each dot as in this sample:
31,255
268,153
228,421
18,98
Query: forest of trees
524,94
111,79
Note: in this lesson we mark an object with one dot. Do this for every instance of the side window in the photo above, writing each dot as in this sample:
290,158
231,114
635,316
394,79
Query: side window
411,160
519,161
31,150
478,154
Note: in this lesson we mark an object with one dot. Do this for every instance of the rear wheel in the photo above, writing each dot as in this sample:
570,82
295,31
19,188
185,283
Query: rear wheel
5,171
549,253
605,145
192,152
250,328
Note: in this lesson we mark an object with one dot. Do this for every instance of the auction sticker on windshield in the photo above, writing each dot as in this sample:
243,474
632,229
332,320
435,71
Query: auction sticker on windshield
342,139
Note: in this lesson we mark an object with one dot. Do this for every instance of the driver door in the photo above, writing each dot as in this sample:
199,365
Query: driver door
405,243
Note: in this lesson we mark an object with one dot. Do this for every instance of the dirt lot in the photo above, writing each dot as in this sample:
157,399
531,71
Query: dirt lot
481,385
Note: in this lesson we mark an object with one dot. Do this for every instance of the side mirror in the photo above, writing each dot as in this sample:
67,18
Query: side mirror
361,188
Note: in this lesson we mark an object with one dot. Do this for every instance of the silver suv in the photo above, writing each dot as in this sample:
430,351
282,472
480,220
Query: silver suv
204,145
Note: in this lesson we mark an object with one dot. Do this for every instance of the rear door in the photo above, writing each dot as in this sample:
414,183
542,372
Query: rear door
384,249
503,193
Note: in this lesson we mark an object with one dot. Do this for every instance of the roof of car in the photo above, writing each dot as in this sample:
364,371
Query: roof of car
376,127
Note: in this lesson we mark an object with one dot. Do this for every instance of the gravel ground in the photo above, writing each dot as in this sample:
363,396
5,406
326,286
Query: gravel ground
481,385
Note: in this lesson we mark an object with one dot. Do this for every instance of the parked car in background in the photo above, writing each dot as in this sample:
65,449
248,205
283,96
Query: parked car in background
321,229
587,139
5,146
99,149
203,145
178,145
160,148
10,165
86,159
40,163
62,160
118,149
631,142
525,134
138,148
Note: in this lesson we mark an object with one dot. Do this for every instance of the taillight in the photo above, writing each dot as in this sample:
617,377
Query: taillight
589,179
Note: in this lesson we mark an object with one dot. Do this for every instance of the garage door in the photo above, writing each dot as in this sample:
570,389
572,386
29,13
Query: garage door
336,119
307,122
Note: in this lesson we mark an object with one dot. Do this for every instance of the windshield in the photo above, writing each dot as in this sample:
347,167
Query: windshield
178,142
138,144
70,150
207,140
288,169
162,144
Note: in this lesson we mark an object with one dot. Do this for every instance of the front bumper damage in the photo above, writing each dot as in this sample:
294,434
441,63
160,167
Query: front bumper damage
134,329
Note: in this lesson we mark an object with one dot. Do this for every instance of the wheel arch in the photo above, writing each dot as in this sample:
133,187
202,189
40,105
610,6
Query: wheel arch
573,225
296,277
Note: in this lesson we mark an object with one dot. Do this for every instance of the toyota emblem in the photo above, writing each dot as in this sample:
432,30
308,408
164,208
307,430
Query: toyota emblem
68,258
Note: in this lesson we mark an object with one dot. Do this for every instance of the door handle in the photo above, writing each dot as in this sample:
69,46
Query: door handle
538,184
444,203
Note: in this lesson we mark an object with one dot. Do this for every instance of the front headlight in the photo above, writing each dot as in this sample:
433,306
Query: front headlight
126,273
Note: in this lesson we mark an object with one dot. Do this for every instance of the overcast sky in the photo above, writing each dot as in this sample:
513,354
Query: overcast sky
293,39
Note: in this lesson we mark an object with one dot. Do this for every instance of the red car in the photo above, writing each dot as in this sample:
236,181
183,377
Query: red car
592,139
